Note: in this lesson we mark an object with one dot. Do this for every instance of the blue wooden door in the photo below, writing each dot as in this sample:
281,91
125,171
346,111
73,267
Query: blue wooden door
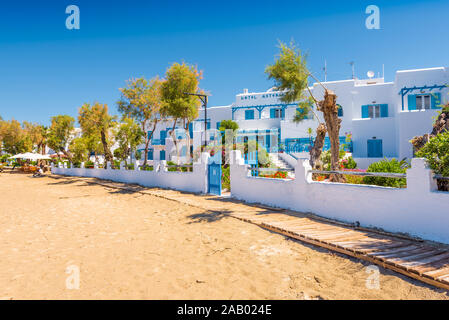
214,174
162,155
375,148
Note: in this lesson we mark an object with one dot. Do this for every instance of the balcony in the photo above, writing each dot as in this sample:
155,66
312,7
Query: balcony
158,142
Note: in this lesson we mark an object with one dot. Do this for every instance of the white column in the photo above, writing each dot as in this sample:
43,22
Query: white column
420,178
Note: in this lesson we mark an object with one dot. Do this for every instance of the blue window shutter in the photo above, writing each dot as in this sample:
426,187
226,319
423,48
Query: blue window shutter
411,102
436,100
218,125
150,154
365,113
208,125
149,134
163,136
162,155
249,114
282,113
340,111
191,130
384,110
272,113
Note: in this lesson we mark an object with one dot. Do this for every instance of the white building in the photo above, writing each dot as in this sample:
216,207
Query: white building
382,117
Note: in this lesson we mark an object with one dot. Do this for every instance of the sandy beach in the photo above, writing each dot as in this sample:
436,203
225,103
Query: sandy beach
129,245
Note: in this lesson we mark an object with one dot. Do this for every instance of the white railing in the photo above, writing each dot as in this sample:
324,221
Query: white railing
191,181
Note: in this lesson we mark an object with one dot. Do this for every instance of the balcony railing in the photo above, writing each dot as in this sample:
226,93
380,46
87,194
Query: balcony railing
158,142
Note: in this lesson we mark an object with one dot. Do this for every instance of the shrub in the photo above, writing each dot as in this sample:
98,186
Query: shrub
349,163
226,177
393,166
436,152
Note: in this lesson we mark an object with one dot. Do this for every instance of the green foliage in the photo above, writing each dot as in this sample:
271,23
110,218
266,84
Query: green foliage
436,152
385,165
228,125
14,137
181,79
232,128
349,163
95,122
326,158
142,101
79,150
226,177
290,73
128,136
60,131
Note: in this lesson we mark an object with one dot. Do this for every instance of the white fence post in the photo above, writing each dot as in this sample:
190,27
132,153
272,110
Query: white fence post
420,178
82,165
122,165
136,165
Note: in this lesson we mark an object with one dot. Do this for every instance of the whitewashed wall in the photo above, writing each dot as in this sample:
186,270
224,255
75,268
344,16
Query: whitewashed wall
418,210
195,181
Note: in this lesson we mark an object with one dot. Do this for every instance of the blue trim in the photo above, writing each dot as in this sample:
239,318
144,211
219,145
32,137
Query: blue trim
405,90
261,107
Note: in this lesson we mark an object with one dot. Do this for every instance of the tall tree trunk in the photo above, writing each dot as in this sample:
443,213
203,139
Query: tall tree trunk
107,153
333,123
315,151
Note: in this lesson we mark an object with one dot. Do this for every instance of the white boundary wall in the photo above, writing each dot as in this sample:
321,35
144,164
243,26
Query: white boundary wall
419,210
195,181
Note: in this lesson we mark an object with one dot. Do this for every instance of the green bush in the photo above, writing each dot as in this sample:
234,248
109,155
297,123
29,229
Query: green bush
349,163
226,177
436,152
393,166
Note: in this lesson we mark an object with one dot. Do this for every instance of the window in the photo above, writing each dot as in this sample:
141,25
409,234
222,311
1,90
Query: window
375,111
276,113
249,114
423,102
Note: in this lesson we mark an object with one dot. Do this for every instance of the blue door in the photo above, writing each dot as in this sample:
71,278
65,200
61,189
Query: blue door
162,155
214,174
375,148
150,154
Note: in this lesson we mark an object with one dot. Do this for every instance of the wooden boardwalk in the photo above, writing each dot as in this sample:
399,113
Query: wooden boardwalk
421,260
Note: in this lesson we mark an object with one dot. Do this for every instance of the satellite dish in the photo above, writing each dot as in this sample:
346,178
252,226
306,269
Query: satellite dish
370,74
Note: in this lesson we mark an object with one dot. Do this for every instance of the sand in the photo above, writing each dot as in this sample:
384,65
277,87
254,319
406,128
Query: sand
129,245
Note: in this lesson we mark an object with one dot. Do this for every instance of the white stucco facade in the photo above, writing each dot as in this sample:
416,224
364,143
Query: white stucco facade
381,117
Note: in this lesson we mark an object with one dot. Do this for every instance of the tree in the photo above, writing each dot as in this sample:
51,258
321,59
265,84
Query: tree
181,79
291,75
38,135
95,120
15,139
60,134
128,135
142,101
78,148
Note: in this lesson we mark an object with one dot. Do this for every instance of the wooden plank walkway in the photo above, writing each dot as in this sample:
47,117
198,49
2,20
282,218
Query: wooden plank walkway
417,259
421,260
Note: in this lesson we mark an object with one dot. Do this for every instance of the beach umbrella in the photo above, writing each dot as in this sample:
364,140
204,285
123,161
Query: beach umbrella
30,156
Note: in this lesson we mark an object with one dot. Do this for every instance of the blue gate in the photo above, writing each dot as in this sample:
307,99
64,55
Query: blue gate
214,174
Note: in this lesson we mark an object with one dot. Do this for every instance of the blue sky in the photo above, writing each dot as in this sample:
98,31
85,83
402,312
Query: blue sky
46,69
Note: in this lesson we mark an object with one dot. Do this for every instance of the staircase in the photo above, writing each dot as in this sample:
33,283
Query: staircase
281,164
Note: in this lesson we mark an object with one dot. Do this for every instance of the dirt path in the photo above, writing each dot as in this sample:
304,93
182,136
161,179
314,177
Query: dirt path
130,245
